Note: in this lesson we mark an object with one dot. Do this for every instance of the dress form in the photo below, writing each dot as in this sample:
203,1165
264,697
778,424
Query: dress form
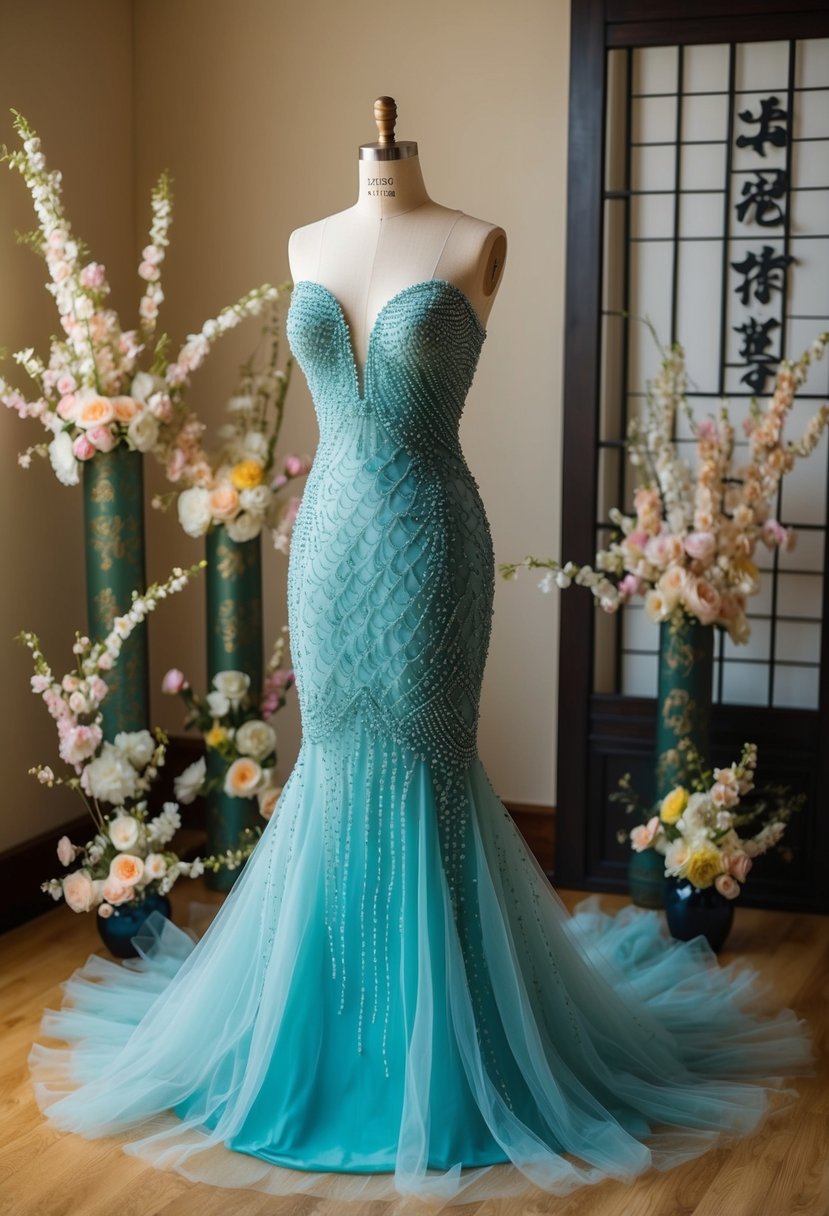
395,235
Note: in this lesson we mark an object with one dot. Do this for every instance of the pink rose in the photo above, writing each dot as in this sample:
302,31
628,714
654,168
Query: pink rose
174,681
66,851
700,545
83,448
101,438
727,886
67,407
642,836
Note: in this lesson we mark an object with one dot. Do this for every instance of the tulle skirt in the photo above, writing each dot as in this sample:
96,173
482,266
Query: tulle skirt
393,1000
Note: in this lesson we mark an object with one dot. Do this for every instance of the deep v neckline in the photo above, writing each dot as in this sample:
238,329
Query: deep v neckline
362,393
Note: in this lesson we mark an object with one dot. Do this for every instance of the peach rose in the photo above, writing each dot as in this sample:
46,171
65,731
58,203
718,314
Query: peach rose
268,799
115,894
243,778
126,870
94,411
738,864
124,409
224,502
702,600
727,886
79,890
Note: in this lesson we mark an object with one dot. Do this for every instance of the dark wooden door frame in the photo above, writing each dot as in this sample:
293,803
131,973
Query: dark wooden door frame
596,27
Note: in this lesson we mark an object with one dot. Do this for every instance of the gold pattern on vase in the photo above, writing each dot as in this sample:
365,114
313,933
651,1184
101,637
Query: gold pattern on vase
103,490
682,656
233,563
237,621
679,711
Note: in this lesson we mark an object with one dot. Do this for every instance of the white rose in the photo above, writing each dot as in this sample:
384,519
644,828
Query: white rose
218,704
142,432
188,783
138,746
256,738
123,832
61,456
155,866
256,445
110,777
234,685
244,778
257,499
194,512
144,385
245,526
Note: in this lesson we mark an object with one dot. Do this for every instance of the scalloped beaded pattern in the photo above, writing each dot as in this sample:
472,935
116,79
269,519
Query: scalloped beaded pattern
391,582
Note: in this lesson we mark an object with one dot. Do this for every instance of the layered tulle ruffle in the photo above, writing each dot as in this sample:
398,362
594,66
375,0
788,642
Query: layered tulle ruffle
394,999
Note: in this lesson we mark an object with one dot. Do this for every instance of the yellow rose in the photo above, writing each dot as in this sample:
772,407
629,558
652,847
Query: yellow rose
247,474
703,866
216,736
673,805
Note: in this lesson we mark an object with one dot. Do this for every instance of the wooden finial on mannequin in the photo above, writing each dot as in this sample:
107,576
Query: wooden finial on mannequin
385,115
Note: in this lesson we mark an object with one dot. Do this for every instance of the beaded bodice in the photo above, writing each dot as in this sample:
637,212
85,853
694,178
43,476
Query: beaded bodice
391,568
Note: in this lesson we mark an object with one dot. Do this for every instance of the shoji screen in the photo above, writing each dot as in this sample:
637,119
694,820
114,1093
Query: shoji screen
699,200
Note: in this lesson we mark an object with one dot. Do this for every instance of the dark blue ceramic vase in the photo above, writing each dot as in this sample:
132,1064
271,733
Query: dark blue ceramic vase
118,930
694,911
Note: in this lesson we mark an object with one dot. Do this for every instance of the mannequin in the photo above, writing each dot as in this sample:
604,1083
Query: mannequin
395,235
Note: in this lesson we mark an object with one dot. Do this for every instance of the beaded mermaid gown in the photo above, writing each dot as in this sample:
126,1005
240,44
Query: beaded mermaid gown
393,998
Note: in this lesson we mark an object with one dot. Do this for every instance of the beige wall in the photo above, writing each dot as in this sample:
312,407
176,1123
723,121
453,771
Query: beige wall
257,110
71,75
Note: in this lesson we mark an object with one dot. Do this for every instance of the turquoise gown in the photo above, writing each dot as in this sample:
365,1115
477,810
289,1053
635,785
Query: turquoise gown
392,998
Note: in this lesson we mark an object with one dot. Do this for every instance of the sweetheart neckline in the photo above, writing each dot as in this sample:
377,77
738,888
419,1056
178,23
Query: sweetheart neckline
363,396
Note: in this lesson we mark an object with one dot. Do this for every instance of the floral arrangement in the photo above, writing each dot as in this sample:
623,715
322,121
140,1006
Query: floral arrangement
704,833
235,730
690,544
243,485
104,385
127,857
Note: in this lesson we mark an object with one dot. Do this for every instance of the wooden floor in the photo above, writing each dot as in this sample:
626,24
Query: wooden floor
781,1171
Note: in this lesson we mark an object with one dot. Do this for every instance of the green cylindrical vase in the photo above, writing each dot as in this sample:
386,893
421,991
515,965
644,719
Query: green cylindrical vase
113,493
686,667
683,706
234,643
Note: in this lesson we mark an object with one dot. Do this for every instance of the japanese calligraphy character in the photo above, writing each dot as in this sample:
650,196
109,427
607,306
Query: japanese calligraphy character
756,341
770,112
764,273
769,185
